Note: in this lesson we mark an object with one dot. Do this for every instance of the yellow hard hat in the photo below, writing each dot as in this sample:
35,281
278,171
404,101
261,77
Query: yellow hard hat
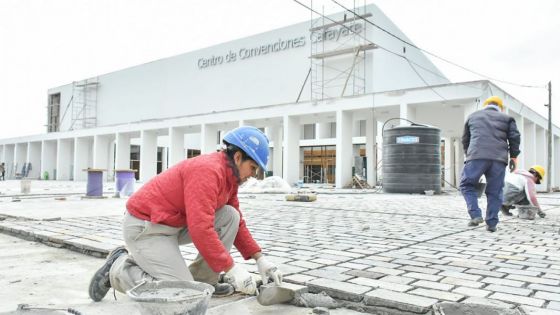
539,169
496,100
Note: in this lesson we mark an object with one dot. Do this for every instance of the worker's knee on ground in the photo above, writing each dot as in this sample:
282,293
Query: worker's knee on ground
227,215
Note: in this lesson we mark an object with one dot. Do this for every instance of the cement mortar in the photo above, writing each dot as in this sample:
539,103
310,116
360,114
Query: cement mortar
170,293
314,300
448,308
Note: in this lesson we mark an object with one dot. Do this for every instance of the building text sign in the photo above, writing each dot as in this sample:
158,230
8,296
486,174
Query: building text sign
333,34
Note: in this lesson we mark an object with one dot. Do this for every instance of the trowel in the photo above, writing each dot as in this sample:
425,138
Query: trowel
270,294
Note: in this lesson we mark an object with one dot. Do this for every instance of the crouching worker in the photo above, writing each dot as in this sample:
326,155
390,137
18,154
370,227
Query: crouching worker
520,189
195,202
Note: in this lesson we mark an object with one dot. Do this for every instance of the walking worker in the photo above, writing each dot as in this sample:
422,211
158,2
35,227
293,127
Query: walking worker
195,202
520,189
2,170
488,137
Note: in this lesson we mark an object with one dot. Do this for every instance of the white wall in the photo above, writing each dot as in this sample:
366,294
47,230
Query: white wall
177,86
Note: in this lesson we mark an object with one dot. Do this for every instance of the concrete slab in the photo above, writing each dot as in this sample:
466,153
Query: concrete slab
474,309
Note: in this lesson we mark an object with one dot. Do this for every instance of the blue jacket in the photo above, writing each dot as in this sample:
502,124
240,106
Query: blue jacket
490,135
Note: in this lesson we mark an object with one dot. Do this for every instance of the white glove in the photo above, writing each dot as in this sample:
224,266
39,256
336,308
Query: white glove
241,280
268,271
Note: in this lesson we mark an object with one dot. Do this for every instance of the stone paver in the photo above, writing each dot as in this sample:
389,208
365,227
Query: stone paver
401,301
415,251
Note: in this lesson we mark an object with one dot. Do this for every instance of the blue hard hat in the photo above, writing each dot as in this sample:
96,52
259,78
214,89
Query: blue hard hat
252,141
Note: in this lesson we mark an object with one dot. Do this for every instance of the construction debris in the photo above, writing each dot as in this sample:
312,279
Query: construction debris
301,197
272,184
312,300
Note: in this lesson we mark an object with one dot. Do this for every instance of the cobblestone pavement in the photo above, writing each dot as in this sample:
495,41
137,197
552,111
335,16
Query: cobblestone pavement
404,252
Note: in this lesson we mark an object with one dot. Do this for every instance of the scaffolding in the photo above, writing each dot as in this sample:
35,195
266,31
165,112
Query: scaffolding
53,113
84,104
338,53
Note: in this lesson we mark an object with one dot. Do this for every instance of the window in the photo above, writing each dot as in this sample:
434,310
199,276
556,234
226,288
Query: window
192,153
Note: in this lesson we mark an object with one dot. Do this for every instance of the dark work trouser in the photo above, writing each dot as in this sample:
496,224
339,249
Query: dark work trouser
494,171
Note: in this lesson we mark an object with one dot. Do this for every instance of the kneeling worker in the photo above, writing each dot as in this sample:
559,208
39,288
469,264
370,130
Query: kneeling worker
195,202
520,189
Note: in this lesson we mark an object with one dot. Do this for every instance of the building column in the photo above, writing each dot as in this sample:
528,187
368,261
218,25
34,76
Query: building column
406,111
274,135
208,139
64,160
449,162
122,154
529,145
468,109
164,162
148,155
48,158
343,148
101,154
520,122
555,172
9,152
291,131
541,154
20,156
34,159
81,158
3,158
176,146
112,149
101,151
541,147
371,150
459,161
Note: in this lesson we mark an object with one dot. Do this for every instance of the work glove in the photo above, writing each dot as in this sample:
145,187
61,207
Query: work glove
268,270
241,280
512,164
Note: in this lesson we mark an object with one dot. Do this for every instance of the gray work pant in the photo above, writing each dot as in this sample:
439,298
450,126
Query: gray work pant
515,196
154,252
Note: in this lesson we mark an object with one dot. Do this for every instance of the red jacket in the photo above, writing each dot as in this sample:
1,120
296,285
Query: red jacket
188,194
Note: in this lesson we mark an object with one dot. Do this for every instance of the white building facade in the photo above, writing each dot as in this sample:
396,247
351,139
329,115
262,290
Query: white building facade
320,90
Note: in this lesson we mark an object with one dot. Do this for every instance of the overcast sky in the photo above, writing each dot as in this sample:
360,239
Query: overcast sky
44,44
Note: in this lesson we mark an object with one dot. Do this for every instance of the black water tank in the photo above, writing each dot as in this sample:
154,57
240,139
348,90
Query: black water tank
411,159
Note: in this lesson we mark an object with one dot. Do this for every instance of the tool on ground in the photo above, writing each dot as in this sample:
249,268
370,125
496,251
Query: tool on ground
26,307
301,197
